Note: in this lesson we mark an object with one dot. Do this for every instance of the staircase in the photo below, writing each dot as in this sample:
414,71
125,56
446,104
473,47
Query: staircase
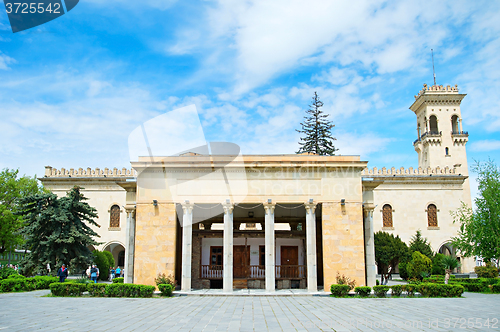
240,283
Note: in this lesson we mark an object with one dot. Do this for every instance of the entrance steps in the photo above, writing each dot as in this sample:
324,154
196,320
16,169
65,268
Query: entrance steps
240,283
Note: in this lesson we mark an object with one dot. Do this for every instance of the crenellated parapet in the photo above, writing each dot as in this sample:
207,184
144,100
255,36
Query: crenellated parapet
408,171
430,89
89,172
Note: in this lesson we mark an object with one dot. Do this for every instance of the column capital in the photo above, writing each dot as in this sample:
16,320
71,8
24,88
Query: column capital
269,207
129,208
369,206
228,208
187,208
310,207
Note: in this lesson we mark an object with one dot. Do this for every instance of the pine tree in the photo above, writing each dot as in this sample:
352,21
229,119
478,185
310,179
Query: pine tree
57,231
420,244
317,129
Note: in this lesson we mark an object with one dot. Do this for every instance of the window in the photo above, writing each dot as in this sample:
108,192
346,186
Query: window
114,216
215,256
432,216
387,215
447,151
433,125
454,124
262,255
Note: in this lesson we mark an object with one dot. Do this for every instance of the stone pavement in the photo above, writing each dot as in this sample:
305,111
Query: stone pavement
30,311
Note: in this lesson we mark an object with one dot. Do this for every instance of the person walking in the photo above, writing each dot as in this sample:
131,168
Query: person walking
62,273
94,273
111,273
118,272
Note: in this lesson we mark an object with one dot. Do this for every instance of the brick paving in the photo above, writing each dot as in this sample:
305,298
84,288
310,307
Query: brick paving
30,311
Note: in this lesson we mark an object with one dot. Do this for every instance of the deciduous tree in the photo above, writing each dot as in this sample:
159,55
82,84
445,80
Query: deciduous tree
389,250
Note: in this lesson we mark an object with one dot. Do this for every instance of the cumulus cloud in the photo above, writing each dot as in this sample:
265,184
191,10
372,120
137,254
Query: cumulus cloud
485,145
5,61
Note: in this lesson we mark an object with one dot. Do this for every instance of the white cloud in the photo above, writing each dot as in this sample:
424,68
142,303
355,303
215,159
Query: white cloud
5,61
485,145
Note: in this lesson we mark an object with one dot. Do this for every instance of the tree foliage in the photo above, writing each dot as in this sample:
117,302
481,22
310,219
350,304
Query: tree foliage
12,189
57,230
101,259
420,244
389,250
317,130
479,233
419,265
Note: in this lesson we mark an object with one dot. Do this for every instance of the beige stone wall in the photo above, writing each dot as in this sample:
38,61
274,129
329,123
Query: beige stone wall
155,242
343,242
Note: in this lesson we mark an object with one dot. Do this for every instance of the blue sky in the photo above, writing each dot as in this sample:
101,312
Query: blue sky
72,90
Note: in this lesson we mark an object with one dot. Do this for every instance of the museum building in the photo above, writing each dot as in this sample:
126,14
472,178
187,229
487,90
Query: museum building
277,221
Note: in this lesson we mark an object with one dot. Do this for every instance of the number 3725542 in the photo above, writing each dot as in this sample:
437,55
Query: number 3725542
32,8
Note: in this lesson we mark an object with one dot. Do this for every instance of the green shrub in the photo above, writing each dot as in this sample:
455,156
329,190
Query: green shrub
96,289
440,290
363,291
409,289
129,290
16,276
403,273
101,260
5,272
118,280
438,264
80,281
495,288
67,289
111,259
343,280
14,285
43,282
419,265
163,279
377,282
380,290
486,271
340,290
396,290
166,289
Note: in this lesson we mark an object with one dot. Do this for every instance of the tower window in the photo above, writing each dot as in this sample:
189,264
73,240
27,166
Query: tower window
114,216
387,215
447,151
432,215
434,125
454,124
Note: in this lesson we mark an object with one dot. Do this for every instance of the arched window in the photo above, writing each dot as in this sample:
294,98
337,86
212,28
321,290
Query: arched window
114,216
387,215
432,219
454,124
447,151
433,124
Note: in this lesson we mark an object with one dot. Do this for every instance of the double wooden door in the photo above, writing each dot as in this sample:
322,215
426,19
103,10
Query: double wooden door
241,261
289,262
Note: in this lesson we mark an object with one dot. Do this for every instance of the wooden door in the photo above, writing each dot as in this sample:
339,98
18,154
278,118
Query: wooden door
289,261
241,261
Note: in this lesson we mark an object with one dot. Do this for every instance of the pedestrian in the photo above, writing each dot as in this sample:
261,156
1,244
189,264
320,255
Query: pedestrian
112,274
62,273
48,269
94,273
118,272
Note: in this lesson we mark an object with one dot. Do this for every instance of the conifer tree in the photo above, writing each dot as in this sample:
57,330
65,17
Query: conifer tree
317,129
57,231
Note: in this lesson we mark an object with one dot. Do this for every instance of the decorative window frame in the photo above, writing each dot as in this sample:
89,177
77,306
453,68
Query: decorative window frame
382,213
427,215
109,216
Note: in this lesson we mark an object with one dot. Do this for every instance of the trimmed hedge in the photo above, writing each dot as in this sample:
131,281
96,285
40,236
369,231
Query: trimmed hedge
363,291
67,289
5,272
96,289
409,289
13,285
380,290
440,290
19,283
340,290
166,289
118,280
129,290
43,282
486,271
495,288
396,290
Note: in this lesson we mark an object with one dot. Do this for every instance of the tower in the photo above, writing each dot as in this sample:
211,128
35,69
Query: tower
441,140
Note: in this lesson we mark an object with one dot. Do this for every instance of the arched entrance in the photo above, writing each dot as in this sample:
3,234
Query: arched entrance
118,252
448,250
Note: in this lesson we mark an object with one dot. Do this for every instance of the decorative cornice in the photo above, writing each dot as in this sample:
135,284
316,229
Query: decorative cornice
51,172
408,171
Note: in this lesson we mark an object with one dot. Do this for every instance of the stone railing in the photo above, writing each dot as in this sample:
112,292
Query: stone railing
407,171
437,89
89,172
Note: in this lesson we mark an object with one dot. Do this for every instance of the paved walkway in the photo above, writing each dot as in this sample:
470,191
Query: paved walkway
30,311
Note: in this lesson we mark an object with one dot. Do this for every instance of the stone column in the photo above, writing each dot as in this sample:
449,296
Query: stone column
371,270
460,122
312,272
187,249
129,245
227,282
270,248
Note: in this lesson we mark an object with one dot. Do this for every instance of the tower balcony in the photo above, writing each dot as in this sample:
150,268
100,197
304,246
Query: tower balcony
432,136
460,137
